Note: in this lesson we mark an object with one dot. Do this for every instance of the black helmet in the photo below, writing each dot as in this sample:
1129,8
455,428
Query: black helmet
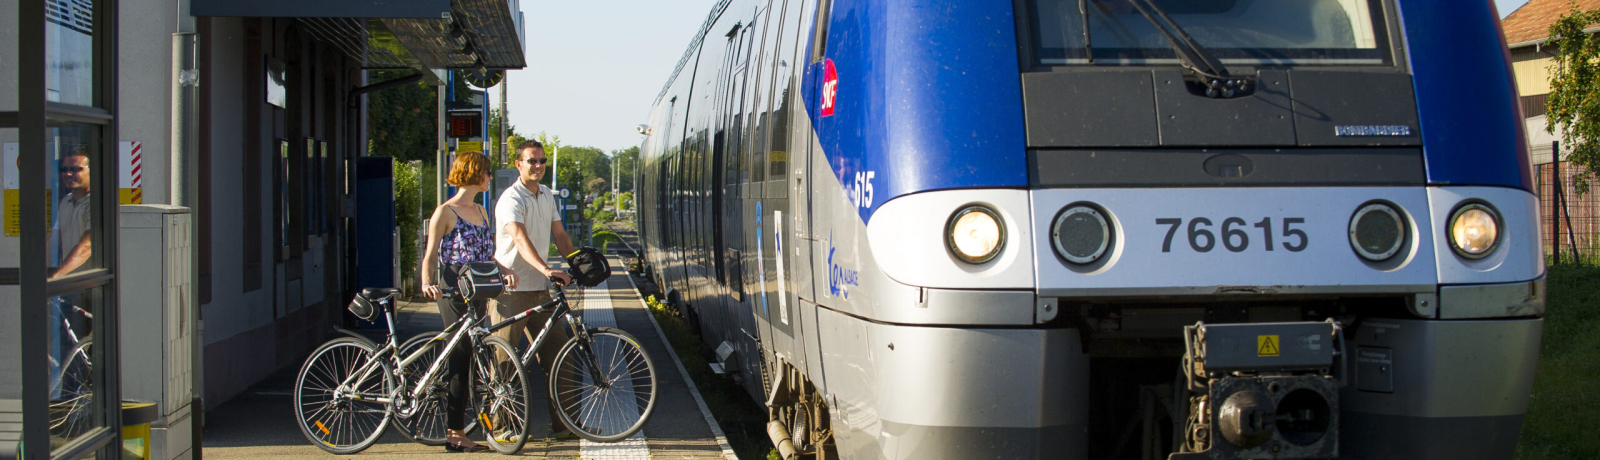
588,267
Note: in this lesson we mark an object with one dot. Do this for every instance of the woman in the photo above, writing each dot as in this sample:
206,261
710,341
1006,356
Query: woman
459,233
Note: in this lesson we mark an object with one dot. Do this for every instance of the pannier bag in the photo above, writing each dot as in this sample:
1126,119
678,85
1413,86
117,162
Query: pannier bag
363,308
589,267
479,281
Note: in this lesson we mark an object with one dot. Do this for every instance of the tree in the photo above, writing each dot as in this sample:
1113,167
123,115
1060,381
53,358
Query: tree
402,120
1573,106
596,186
495,120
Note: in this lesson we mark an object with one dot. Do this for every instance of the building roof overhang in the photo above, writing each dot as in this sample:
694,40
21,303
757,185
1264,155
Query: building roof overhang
399,34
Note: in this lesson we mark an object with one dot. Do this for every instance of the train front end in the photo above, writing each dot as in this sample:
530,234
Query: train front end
1223,229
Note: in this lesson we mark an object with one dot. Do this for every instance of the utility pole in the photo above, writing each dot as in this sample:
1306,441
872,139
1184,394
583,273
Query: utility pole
440,168
505,148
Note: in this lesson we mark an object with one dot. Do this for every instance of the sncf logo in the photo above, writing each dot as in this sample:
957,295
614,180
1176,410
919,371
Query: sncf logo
830,87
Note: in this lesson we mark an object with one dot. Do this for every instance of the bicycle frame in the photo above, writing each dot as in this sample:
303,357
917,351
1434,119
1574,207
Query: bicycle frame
457,331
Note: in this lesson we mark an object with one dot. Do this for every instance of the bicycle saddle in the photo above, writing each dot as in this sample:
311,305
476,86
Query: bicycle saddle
378,293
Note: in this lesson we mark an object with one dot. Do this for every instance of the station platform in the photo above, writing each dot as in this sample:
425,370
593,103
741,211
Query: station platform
260,423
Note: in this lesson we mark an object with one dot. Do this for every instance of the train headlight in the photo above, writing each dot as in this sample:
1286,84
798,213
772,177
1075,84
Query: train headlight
1474,230
975,234
1080,234
1377,232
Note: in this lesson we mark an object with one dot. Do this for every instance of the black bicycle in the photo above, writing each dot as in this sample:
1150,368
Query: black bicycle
350,389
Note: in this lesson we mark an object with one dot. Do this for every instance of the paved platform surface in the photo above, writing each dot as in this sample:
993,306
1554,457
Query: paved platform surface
260,422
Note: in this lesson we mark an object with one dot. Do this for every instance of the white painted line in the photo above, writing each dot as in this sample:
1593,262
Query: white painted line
716,430
597,313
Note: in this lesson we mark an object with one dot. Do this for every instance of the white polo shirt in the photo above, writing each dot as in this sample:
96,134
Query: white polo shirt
535,213
72,219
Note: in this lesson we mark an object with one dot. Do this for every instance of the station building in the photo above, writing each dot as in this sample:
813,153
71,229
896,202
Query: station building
230,132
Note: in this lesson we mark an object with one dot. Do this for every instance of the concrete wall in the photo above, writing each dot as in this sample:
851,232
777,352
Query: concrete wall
250,333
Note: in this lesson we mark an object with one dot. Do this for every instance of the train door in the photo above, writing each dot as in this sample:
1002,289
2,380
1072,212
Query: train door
758,97
779,255
799,247
725,187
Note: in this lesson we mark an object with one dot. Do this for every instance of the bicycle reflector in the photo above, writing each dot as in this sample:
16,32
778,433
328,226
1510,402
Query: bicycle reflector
589,267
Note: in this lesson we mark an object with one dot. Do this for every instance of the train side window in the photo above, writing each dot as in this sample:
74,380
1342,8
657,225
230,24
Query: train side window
819,41
762,89
783,93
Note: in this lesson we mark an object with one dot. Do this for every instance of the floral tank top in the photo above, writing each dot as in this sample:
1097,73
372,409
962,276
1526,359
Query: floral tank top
467,243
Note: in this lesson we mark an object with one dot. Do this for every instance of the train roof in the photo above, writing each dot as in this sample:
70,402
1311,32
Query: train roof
694,44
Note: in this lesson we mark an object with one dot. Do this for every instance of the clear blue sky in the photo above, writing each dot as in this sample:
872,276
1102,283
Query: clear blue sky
594,67
1507,6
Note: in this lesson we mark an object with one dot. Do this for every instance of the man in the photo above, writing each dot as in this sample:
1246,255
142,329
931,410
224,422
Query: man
527,218
70,238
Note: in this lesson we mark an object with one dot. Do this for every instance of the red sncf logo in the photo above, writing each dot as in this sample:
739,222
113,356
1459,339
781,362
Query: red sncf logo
830,87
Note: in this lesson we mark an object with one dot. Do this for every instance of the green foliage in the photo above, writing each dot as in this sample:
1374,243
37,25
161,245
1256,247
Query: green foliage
627,200
601,236
1574,102
402,121
598,215
408,214
1562,416
504,149
596,186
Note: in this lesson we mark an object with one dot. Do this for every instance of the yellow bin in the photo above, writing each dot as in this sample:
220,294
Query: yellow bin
136,418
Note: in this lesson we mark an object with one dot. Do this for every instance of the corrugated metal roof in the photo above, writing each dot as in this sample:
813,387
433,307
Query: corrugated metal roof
478,33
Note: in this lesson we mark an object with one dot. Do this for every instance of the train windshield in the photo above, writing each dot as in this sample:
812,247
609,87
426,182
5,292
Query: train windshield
1248,32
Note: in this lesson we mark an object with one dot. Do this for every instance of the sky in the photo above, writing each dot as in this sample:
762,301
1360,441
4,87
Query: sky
1507,6
595,67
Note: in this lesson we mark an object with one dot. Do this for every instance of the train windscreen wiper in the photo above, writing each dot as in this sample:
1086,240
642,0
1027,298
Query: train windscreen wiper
1211,73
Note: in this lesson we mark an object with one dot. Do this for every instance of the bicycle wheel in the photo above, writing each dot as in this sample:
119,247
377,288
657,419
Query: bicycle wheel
335,406
69,413
500,388
425,420
607,390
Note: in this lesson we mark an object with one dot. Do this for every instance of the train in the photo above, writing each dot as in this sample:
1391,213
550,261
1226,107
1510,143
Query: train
1104,229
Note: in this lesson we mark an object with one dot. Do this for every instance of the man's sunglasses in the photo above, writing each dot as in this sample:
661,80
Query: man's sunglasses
537,161
71,169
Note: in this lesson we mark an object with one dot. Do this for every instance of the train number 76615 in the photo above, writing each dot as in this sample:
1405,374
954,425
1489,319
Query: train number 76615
1234,234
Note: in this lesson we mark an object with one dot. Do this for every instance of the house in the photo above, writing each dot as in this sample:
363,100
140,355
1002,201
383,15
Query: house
1527,33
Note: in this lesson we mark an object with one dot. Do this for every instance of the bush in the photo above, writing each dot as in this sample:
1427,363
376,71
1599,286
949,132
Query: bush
408,216
601,236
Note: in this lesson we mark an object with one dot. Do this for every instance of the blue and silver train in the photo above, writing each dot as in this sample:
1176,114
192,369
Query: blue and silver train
1107,229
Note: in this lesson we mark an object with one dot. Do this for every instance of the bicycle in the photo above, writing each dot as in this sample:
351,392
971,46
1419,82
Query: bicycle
346,374
71,387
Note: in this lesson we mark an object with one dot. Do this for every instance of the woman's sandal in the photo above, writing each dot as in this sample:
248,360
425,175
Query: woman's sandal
475,448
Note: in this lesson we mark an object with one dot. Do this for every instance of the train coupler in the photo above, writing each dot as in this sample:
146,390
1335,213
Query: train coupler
1263,390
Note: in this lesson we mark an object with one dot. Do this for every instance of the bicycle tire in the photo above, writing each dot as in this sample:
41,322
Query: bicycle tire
501,395
619,407
70,414
426,423
351,425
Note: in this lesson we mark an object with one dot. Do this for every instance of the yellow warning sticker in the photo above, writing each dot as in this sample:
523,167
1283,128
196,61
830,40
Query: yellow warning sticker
1266,345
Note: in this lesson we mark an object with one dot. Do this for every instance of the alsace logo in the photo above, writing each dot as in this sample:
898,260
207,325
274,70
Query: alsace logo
838,277
830,87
